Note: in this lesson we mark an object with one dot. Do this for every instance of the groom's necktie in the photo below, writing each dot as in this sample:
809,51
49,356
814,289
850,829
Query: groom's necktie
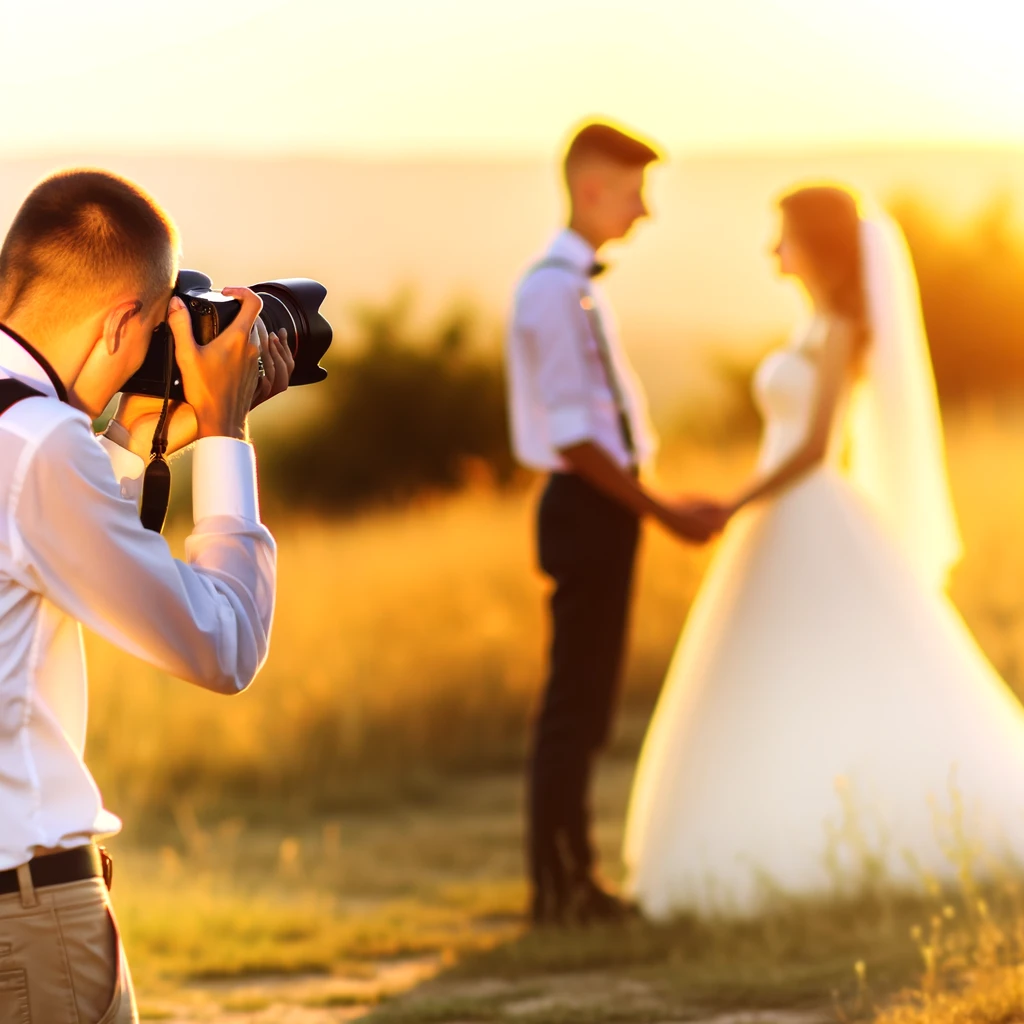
589,307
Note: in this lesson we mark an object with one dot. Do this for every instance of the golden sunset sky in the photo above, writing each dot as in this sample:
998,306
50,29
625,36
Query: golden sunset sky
480,78
433,126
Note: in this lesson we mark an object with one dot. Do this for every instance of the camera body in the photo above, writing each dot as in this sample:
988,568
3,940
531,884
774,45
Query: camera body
291,303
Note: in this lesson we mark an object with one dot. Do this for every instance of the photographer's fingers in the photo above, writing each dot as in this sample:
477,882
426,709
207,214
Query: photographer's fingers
286,352
180,324
265,383
255,346
250,309
263,341
267,350
262,334
262,392
278,365
281,371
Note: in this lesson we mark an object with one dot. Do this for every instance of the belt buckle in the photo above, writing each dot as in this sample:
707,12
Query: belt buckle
108,867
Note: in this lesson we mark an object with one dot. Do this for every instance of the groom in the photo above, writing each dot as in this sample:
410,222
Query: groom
579,414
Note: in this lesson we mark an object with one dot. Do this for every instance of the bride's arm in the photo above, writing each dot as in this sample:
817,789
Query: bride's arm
834,365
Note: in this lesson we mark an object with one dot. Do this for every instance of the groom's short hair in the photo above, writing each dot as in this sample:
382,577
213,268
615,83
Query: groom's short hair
605,141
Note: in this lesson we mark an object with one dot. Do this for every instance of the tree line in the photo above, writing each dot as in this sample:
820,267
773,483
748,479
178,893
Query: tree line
407,411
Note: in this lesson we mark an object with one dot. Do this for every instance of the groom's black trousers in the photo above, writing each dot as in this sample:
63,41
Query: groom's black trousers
587,545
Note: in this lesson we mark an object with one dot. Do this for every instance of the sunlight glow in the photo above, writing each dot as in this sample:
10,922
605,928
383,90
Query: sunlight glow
402,77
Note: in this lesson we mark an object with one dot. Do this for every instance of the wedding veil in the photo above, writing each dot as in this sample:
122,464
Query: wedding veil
896,449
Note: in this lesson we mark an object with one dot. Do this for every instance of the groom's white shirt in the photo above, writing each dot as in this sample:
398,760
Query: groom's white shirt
559,394
72,550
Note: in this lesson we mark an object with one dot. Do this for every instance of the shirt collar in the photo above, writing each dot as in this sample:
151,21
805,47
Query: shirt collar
21,359
572,248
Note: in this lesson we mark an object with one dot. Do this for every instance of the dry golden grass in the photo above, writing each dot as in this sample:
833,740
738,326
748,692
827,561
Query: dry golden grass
356,908
406,645
993,995
408,650
409,645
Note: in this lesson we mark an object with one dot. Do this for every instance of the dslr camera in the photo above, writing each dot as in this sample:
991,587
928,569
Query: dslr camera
292,303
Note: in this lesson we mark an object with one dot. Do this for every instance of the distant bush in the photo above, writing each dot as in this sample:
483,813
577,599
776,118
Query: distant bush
400,414
972,294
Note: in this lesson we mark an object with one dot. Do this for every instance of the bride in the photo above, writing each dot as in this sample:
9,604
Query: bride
827,720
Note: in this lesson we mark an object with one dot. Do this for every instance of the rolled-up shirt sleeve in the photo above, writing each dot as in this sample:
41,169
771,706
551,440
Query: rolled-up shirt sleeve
553,324
79,540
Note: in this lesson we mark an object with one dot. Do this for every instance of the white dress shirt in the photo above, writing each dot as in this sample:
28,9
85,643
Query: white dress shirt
72,551
559,392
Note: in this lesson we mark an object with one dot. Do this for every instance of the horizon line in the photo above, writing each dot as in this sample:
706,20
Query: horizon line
442,158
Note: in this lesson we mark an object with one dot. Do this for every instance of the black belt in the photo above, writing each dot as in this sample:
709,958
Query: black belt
75,865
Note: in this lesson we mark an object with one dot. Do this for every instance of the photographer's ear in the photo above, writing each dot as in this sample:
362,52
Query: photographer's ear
118,323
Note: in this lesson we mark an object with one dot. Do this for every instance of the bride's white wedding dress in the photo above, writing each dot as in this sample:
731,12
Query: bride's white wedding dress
826,709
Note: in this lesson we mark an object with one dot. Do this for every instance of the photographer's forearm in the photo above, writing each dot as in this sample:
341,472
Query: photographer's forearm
597,467
133,424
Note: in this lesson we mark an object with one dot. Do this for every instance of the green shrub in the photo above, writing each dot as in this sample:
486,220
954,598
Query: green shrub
400,414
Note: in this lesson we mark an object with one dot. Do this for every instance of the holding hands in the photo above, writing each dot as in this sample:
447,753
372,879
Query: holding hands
696,520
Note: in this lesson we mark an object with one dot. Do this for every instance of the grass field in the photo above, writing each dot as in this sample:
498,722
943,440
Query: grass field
406,646
350,913
351,825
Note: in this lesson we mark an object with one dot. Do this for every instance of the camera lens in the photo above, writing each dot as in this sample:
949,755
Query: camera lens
276,315
294,304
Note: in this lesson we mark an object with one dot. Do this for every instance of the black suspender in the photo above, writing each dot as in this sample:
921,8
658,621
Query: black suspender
13,391
589,307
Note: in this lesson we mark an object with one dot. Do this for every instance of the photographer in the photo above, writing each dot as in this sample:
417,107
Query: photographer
86,275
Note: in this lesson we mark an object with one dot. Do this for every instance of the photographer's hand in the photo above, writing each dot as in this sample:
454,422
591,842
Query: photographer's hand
219,378
278,363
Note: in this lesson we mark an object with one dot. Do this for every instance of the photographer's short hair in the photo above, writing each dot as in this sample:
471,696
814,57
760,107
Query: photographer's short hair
82,236
602,140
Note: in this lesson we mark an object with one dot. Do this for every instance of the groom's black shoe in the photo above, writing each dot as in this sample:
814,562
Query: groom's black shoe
592,904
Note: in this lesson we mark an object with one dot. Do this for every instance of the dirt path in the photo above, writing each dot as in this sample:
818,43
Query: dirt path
404,991
292,999
384,917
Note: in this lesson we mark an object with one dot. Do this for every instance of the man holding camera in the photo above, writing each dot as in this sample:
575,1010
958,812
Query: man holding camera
86,275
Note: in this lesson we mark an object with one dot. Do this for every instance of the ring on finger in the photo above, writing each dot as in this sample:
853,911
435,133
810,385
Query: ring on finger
260,368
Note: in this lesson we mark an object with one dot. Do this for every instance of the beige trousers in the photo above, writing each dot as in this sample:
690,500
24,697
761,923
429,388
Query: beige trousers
61,960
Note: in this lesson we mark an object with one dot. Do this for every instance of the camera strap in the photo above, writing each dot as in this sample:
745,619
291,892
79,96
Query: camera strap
156,483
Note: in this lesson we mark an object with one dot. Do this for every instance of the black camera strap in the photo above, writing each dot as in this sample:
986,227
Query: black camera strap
156,483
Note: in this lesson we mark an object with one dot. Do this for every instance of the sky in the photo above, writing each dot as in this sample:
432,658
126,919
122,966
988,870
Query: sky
482,78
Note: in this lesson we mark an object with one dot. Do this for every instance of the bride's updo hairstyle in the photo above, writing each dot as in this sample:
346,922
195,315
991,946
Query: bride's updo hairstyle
825,223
